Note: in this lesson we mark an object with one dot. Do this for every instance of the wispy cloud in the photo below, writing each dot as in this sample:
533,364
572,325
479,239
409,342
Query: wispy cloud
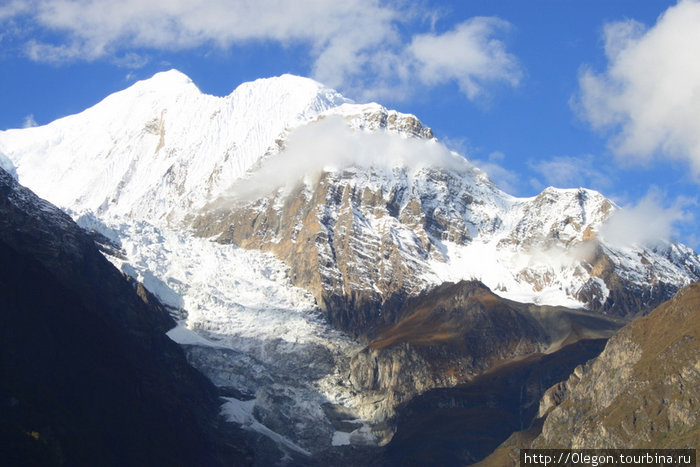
329,145
646,223
353,44
693,241
493,165
29,121
470,54
569,172
13,8
649,95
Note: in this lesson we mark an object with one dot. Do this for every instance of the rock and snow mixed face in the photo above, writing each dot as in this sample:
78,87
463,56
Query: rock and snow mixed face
349,203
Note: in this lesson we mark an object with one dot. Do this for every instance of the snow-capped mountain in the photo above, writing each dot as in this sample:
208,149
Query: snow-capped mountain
283,221
160,148
161,151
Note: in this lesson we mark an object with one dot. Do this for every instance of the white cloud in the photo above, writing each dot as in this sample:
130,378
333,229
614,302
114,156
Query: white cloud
646,223
469,54
50,53
330,145
29,121
693,241
13,8
570,172
354,44
649,95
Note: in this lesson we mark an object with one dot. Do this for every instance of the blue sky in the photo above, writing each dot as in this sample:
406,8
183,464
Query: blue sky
603,94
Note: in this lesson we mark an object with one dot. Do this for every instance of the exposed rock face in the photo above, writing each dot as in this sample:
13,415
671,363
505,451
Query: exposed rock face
89,377
642,391
374,117
351,244
455,332
461,425
361,238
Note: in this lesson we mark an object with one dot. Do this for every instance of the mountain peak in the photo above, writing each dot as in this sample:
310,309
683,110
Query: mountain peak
172,75
143,139
295,91
298,87
165,81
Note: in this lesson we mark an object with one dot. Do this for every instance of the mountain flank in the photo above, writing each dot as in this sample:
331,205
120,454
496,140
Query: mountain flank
641,392
88,375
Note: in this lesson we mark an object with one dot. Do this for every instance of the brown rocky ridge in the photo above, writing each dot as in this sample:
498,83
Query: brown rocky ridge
641,392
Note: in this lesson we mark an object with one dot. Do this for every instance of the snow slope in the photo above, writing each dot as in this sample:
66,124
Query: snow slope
160,148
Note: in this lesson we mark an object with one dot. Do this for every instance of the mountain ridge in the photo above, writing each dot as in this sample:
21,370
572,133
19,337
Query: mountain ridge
171,153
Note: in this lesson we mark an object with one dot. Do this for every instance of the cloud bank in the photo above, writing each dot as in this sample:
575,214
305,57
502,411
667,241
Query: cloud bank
646,223
329,145
649,95
354,45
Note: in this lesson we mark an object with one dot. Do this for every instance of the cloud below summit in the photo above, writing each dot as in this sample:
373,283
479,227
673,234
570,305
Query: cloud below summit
645,223
329,145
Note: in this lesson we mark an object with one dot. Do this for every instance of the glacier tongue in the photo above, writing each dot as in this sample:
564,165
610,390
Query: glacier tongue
246,327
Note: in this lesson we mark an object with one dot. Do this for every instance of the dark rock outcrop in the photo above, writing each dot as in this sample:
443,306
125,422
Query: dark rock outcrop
461,425
88,375
456,332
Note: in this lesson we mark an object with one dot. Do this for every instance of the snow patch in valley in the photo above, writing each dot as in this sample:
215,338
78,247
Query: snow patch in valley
184,336
241,412
362,436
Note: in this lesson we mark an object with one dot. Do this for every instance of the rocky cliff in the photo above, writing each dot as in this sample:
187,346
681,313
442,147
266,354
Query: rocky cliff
641,392
456,332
